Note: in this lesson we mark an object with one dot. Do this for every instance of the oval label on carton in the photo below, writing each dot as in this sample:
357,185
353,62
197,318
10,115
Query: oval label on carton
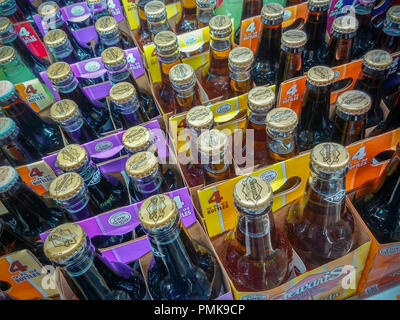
190,39
103,146
224,108
119,219
254,296
77,11
269,175
92,66
389,250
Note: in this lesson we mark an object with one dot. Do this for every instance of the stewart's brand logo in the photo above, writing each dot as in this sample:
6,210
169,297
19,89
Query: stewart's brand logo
387,251
315,284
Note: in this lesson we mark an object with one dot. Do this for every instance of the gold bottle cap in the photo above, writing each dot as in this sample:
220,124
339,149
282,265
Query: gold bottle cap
122,92
54,38
141,164
63,110
260,98
48,8
106,24
7,54
71,157
241,57
206,4
157,211
354,102
5,23
65,186
182,74
329,156
294,38
155,10
281,119
378,59
64,241
136,138
94,1
320,76
345,24
272,11
200,117
220,25
166,41
319,3
59,71
212,141
113,56
394,13
252,193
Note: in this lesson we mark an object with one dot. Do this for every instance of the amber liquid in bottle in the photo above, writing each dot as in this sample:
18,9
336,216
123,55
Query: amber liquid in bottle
187,20
143,35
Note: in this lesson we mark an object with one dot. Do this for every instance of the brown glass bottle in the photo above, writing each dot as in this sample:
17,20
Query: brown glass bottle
321,229
314,125
214,156
215,75
341,42
187,20
389,36
260,100
290,3
375,67
183,81
364,39
204,12
253,260
351,112
240,60
265,68
291,58
142,35
251,8
281,126
156,16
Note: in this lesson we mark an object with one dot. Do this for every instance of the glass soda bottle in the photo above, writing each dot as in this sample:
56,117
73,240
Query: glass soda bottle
213,153
364,40
93,276
315,26
64,80
265,68
105,193
389,36
290,3
375,67
254,261
45,137
138,139
351,112
380,208
182,269
314,125
291,57
9,9
142,35
98,9
204,12
166,46
183,81
281,124
60,46
260,100
240,60
12,66
74,127
341,41
321,228
251,8
31,214
156,16
15,147
215,75
187,20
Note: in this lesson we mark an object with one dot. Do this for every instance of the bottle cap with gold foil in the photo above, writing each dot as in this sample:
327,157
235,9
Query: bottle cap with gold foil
155,11
241,57
200,117
122,92
294,38
7,54
59,71
212,141
65,186
166,41
182,74
260,99
106,24
48,8
345,24
5,23
54,38
71,157
378,59
64,241
136,138
252,193
141,164
320,76
329,157
315,4
354,102
157,211
394,13
112,56
281,119
206,4
272,12
63,110
220,26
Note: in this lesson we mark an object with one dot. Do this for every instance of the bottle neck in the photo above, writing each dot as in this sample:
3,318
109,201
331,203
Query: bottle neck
290,64
340,47
11,241
90,173
268,49
111,39
118,73
315,27
240,80
364,15
144,27
63,51
251,8
128,107
156,27
167,61
72,124
99,9
204,16
348,128
148,185
371,82
281,143
215,164
220,47
185,97
188,7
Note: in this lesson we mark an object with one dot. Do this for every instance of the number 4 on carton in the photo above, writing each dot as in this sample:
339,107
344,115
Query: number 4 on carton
215,197
17,266
35,172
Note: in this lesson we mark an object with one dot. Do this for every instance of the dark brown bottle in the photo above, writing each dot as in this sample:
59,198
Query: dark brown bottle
240,60
142,35
290,3
389,36
251,8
